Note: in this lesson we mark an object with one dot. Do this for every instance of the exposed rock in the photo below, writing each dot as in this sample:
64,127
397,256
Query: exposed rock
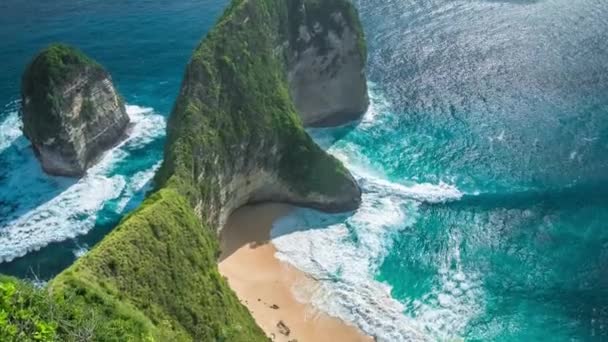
71,111
327,56
283,328
234,136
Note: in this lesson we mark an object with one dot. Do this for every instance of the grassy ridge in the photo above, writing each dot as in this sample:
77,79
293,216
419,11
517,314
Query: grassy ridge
235,103
155,278
162,261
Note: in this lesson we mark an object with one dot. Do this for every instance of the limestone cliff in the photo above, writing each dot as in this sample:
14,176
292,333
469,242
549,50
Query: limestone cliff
326,61
234,137
71,111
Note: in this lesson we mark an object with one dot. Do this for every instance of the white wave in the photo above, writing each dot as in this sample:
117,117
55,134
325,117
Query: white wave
80,251
344,252
371,180
140,183
343,257
377,106
10,129
38,209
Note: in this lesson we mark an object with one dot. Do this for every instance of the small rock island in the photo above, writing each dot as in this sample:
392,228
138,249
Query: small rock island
235,136
71,111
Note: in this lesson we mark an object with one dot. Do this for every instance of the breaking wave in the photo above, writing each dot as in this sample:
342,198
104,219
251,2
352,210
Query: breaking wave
37,209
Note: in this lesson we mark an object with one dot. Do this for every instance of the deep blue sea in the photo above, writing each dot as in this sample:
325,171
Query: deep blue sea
483,160
145,46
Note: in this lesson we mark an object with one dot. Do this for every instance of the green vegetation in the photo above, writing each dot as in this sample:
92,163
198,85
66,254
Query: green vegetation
43,80
155,278
56,64
235,103
26,313
157,271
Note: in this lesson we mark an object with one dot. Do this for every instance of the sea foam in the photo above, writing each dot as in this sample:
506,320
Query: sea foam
344,252
37,209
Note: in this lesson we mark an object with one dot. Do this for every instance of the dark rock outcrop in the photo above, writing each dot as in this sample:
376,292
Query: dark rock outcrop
235,135
326,61
71,111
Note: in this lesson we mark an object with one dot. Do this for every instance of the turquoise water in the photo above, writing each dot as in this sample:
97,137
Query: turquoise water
484,165
483,161
145,45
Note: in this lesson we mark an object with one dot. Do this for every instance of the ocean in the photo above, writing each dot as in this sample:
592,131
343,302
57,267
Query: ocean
483,161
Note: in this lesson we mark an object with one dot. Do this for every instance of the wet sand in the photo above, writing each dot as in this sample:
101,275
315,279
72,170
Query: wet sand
268,287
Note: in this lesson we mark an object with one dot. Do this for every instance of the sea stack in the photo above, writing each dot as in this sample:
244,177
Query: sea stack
70,109
234,137
326,62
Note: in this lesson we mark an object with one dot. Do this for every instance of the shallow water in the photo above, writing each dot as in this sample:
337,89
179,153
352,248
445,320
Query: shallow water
483,161
484,167
145,45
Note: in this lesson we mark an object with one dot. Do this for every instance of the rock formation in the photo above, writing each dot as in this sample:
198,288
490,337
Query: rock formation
71,111
326,61
234,137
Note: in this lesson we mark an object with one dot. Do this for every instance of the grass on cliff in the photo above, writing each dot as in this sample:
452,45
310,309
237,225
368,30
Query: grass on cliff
43,80
158,270
155,277
26,313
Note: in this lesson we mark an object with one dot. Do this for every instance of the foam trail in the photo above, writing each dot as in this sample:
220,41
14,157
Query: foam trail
140,184
37,209
80,251
343,257
344,252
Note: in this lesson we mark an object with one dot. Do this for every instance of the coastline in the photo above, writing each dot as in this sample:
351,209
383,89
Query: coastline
265,285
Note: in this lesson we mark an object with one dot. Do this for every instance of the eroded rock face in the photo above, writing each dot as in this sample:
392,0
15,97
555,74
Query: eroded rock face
71,111
235,135
326,63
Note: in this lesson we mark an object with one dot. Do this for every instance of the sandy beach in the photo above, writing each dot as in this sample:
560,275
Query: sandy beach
267,286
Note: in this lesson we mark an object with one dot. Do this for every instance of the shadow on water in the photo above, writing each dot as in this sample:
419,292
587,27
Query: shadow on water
49,261
325,137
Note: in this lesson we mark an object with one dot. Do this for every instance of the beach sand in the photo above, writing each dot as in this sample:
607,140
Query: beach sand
267,286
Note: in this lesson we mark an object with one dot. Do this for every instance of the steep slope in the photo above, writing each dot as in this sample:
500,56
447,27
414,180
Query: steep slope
71,111
326,61
234,137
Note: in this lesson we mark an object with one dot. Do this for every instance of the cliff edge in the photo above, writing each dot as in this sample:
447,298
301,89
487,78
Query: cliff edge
234,137
71,112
